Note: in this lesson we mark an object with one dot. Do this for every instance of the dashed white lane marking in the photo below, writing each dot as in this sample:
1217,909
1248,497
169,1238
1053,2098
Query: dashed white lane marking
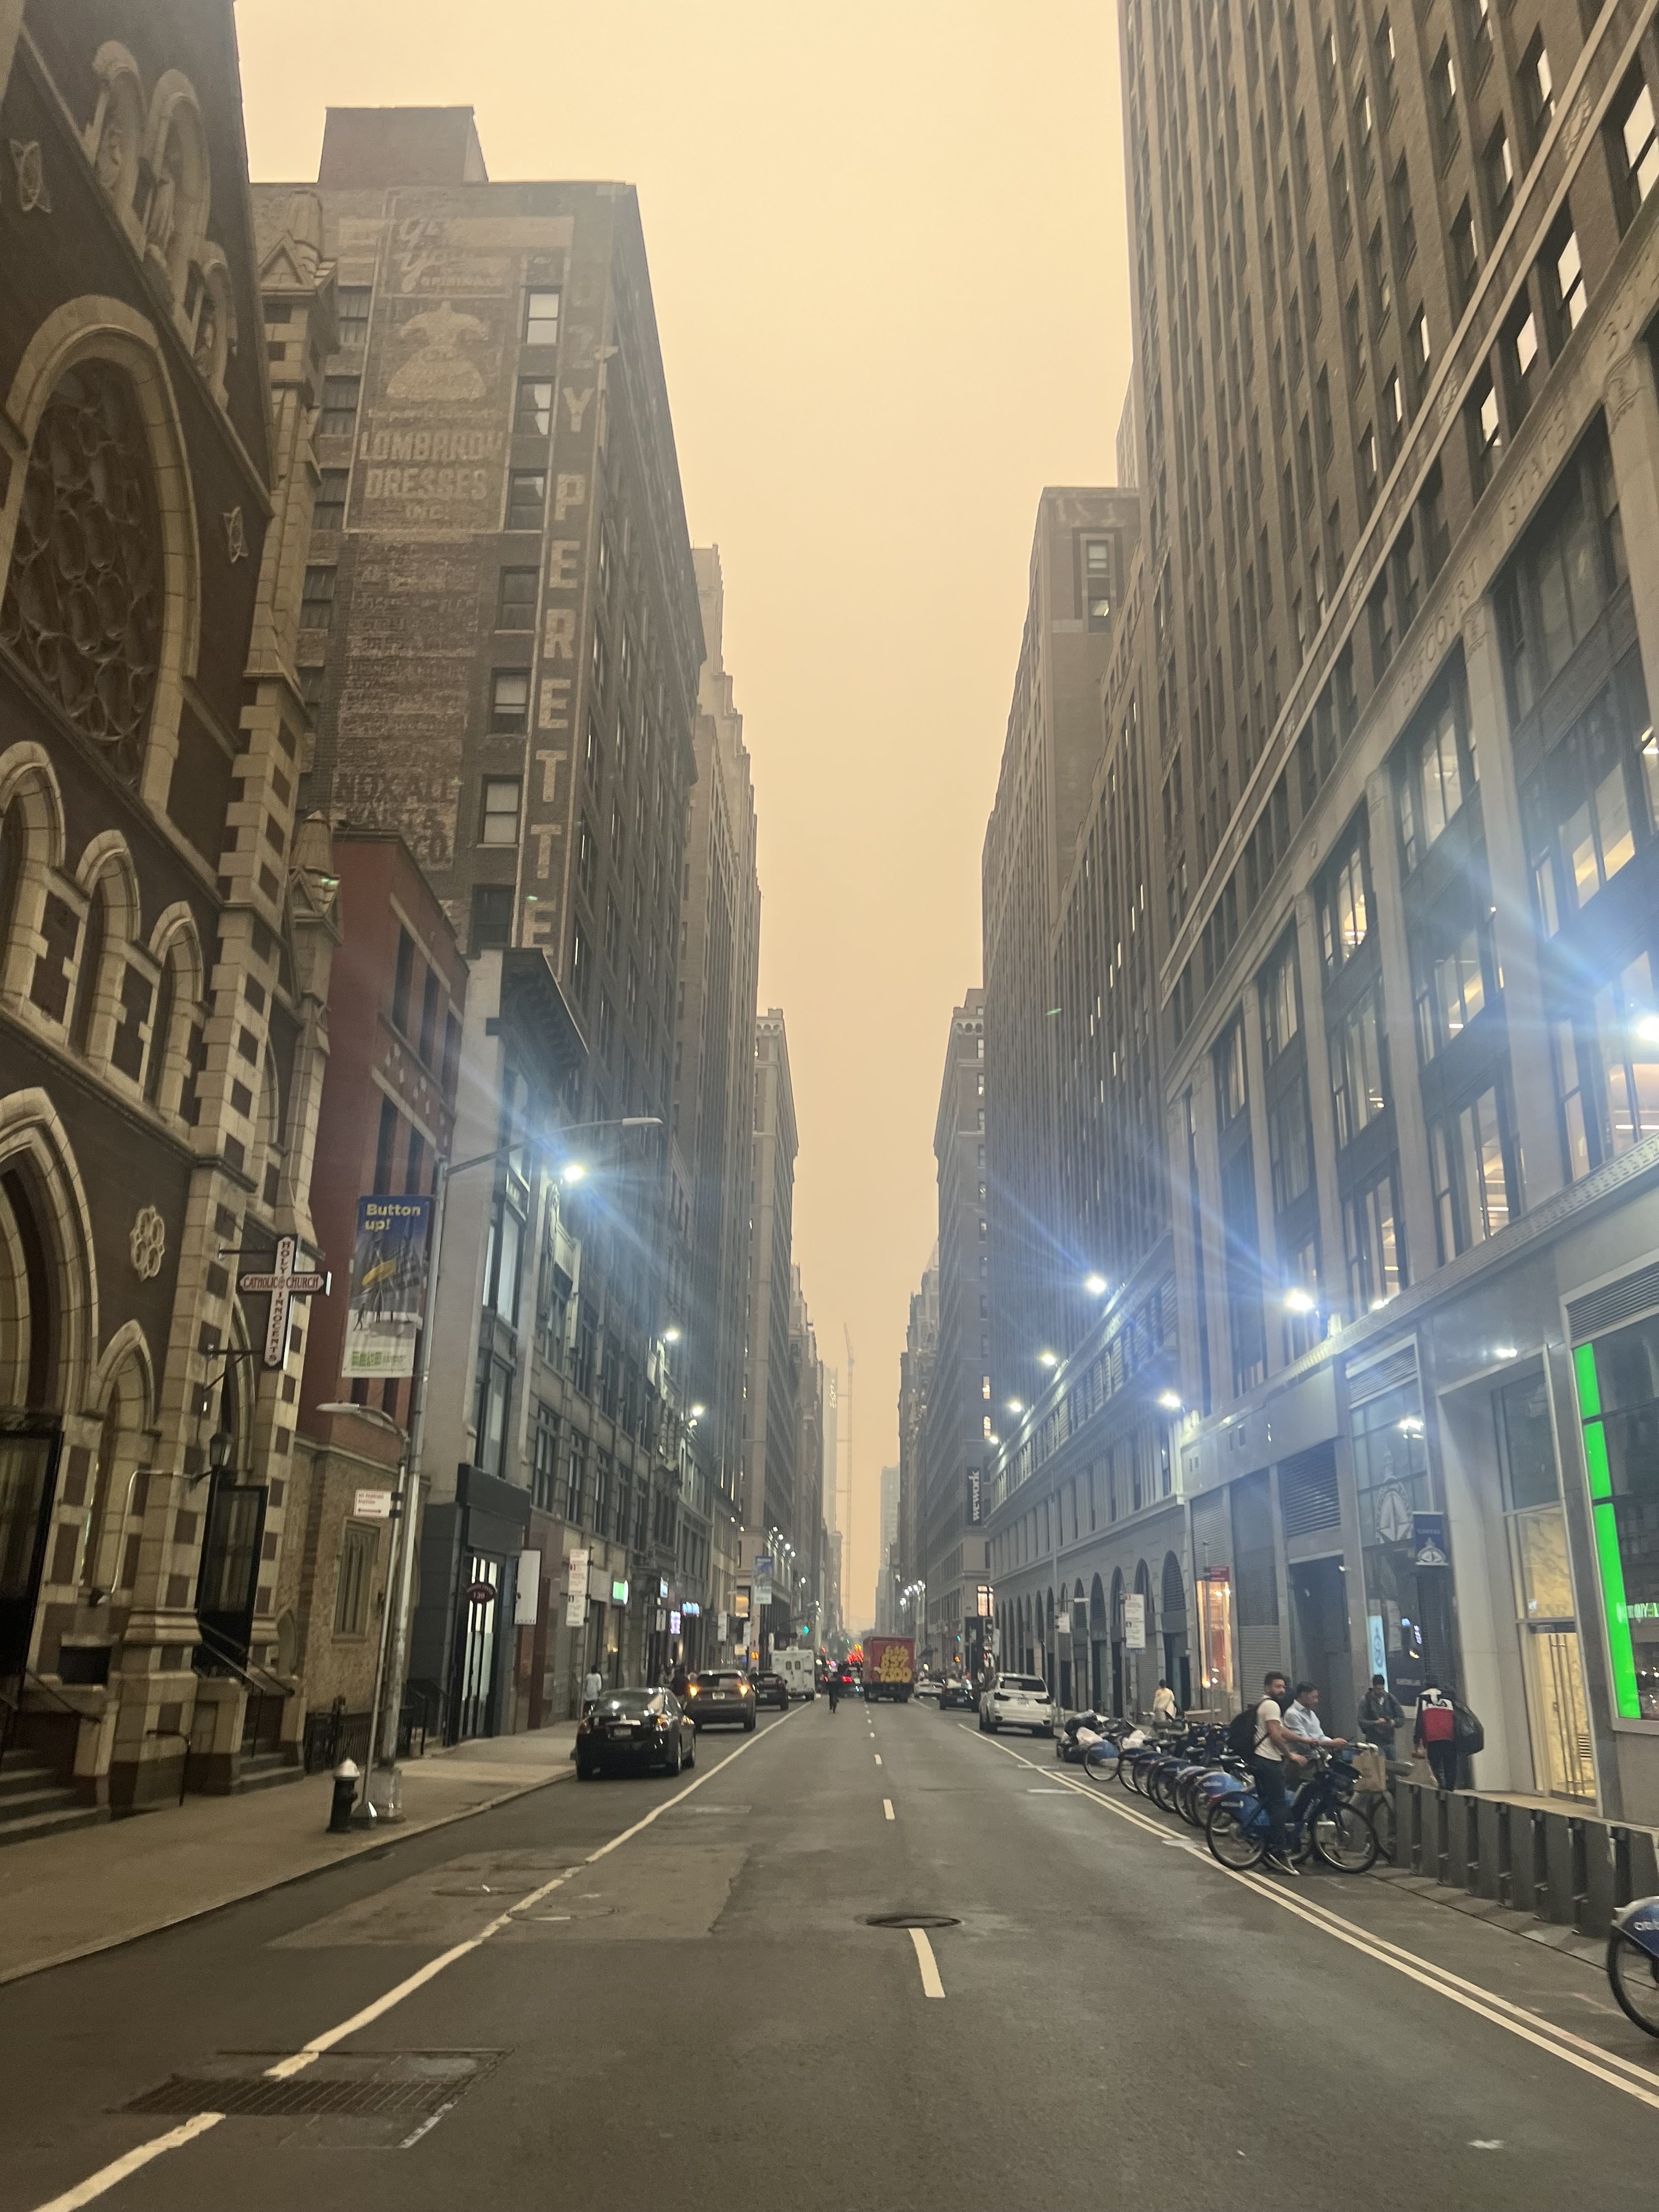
1574,2050
878,1758
108,2177
931,1984
887,1808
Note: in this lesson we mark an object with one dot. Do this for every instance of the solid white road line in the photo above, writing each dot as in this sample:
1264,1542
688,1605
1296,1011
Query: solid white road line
96,2183
887,1808
1608,2066
107,2176
931,1984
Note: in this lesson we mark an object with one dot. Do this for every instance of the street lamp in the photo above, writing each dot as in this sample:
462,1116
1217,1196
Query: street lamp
1048,1359
399,1567
1170,1401
1096,1286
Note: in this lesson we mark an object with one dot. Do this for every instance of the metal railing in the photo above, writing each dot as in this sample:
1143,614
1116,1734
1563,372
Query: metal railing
1572,1869
13,1704
262,1714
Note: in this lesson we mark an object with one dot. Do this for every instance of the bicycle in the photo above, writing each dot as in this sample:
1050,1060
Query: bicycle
1321,1819
1633,1962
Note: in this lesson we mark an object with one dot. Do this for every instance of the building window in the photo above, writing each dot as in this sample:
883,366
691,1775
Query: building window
1281,1017
317,599
1451,989
544,1456
533,415
1498,167
329,512
510,700
1485,430
1537,83
1607,1070
1637,142
338,419
492,916
1568,566
1474,1195
1466,254
1381,282
1564,277
527,498
541,316
1359,1058
1405,223
495,1391
1344,908
1437,771
1373,1244
1290,1145
515,599
351,303
358,1546
1443,101
1098,581
1368,468
498,812
1229,1083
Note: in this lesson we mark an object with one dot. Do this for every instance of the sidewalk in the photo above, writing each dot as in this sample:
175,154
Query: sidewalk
62,1897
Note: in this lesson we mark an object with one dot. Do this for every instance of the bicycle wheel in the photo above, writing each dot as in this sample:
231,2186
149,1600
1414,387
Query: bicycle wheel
1381,1813
1233,1837
1158,1787
1343,1838
1634,1975
1100,1762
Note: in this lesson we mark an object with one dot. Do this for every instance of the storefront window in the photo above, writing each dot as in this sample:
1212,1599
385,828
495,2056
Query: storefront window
1215,1629
1409,1627
1618,1379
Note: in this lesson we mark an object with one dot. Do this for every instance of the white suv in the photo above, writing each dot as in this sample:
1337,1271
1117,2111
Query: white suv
1018,1701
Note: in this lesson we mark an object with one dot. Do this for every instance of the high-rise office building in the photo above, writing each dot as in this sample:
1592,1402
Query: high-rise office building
767,1508
714,1063
1398,436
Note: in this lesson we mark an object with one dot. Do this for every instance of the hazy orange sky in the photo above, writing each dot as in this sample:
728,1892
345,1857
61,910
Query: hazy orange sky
887,246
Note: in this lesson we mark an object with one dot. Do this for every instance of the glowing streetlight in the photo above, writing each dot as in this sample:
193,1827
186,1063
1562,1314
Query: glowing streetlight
1170,1401
1048,1359
1298,1301
572,1171
671,1336
1015,1405
698,1412
1096,1286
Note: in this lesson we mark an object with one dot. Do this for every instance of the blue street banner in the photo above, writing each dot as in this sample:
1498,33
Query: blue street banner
388,1286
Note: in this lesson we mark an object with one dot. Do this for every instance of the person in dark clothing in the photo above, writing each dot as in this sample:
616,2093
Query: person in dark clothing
1436,1734
834,1689
1380,1715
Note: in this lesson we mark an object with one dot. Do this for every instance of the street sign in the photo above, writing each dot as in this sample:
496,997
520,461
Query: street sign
1135,1621
575,1589
1393,1513
1429,1541
284,1283
763,1566
371,1505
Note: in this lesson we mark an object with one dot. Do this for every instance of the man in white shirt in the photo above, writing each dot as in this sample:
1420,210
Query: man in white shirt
1301,1719
1274,1747
592,1688
1164,1709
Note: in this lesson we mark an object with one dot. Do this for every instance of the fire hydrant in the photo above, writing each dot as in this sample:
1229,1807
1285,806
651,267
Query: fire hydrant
346,1775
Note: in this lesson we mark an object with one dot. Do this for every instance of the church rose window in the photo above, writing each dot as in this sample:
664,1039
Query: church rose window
83,607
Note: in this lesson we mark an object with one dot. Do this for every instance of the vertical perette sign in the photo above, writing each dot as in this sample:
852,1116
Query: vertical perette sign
975,1507
388,1286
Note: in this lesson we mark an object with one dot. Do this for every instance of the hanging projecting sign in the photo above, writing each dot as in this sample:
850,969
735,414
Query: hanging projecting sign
1429,1541
575,1589
1135,1621
974,1497
388,1286
284,1283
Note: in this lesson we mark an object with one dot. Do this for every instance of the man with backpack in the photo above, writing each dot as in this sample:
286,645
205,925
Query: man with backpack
1259,1735
1436,1734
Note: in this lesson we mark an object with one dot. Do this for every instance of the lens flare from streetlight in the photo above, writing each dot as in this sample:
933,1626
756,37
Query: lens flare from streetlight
1015,1405
1170,1401
1048,1359
698,1412
1096,1286
1298,1301
671,1336
572,1171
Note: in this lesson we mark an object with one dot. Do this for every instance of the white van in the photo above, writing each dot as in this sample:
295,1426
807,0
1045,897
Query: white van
798,1669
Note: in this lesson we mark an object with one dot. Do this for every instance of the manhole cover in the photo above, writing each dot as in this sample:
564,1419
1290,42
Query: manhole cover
912,1920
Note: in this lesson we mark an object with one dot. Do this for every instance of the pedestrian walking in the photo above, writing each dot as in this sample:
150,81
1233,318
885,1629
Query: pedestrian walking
835,1687
680,1681
1164,1709
1380,1716
592,1689
1436,1734
1275,1749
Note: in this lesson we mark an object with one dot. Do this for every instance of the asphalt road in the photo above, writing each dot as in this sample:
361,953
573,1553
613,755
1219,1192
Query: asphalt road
696,2013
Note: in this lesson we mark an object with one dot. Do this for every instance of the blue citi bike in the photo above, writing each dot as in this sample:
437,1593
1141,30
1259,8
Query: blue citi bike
1321,1819
1633,1962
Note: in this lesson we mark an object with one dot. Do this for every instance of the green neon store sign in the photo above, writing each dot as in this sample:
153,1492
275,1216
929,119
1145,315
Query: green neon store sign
1603,1521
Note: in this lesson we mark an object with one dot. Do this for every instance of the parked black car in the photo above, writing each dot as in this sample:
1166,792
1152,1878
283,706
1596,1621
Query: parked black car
630,1730
771,1690
722,1694
956,1696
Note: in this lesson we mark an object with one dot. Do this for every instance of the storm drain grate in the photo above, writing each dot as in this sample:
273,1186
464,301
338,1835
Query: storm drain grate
912,1920
406,2085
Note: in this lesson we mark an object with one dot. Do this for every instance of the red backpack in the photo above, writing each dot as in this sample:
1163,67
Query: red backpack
1438,1722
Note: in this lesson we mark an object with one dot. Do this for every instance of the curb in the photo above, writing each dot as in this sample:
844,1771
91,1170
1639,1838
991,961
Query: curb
10,1974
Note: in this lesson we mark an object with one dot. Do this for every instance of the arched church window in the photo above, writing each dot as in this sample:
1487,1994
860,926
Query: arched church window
83,605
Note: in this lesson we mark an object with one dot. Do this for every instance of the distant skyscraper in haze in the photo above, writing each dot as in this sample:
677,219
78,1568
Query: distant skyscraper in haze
770,1446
